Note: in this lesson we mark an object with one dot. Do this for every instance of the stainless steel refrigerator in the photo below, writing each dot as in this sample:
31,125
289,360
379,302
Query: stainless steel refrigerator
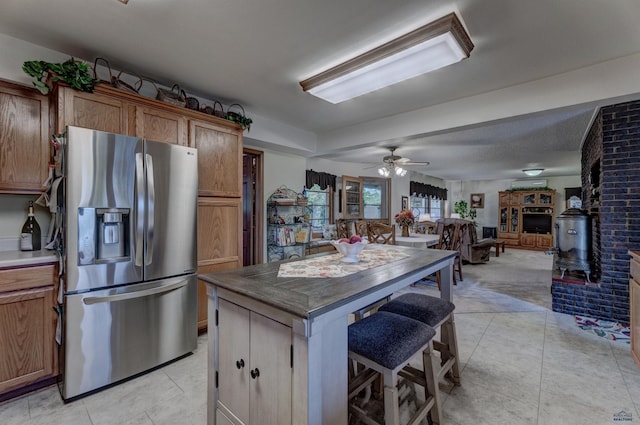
130,288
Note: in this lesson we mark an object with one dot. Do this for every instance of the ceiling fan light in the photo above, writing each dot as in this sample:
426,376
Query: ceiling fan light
400,171
533,171
383,172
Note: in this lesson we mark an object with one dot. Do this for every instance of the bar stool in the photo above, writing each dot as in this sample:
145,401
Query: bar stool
385,343
434,312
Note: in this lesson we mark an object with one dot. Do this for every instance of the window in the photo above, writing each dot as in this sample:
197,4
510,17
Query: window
420,205
375,197
321,206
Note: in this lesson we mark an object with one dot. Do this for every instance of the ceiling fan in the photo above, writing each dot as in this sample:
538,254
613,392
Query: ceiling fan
394,164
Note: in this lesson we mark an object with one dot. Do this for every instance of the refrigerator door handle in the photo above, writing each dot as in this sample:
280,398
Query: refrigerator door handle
139,241
151,208
136,294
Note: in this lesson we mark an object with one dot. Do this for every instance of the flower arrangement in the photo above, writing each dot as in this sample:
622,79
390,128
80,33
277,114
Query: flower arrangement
404,218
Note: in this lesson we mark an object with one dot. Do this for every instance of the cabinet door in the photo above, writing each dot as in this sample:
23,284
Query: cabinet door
27,323
351,197
504,198
24,139
528,240
160,125
271,356
219,242
544,241
233,359
91,110
546,198
219,159
634,292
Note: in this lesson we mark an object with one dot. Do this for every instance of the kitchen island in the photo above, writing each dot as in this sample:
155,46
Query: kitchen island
278,341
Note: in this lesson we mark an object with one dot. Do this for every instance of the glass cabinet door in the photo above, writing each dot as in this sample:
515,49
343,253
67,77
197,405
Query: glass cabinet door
529,198
503,219
351,197
546,198
514,220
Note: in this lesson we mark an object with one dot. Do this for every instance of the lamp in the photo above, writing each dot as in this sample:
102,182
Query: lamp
430,47
387,169
533,171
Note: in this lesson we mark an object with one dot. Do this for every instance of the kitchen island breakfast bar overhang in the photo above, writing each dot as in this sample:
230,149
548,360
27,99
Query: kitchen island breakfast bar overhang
311,314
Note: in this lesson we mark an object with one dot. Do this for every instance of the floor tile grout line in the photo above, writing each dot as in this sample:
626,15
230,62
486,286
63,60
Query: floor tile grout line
544,343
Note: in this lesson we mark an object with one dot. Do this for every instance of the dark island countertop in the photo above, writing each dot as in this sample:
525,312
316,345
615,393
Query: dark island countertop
309,297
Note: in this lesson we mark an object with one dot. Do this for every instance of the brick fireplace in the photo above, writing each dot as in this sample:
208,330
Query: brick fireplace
611,194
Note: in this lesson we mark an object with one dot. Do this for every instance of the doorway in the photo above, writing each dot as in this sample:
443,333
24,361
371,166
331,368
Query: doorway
252,199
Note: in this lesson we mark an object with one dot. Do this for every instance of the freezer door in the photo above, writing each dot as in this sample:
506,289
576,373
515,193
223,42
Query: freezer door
112,334
100,202
172,191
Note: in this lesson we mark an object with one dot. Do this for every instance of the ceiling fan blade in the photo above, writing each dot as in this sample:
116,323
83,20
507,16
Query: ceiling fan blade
415,163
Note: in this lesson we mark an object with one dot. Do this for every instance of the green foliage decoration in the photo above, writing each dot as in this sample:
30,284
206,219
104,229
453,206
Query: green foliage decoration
462,208
75,73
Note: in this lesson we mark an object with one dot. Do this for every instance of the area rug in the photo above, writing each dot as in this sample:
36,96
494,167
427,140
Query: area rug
604,328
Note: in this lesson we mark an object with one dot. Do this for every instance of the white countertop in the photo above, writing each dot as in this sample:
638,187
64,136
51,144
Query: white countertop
11,257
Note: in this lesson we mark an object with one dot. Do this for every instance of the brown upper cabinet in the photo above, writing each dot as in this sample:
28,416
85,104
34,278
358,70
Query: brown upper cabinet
24,139
219,153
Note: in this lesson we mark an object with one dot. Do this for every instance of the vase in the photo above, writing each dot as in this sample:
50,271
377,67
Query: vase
405,230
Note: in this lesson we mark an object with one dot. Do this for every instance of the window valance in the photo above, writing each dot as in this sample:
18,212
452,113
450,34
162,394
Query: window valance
427,190
321,179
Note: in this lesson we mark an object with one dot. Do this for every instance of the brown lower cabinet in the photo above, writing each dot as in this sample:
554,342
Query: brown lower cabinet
219,242
27,326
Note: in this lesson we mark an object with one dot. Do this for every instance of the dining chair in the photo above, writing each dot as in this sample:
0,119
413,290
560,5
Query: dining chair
362,228
449,241
342,228
426,227
382,233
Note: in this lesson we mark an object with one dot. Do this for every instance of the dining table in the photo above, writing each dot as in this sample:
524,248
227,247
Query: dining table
313,298
418,240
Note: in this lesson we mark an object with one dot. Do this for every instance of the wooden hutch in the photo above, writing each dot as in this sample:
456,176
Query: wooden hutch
526,218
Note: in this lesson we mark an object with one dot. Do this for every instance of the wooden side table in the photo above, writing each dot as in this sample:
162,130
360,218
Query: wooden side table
498,243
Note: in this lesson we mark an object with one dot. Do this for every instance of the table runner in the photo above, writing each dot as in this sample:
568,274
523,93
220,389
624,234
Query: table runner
331,266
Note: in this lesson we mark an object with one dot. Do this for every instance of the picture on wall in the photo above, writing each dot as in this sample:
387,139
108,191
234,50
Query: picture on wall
405,203
477,200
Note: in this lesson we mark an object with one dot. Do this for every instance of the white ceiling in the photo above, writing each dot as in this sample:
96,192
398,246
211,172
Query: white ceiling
255,52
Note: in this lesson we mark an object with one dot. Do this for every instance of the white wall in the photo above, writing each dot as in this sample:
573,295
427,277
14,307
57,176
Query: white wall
13,213
488,216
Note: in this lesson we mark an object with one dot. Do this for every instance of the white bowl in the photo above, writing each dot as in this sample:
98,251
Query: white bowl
349,251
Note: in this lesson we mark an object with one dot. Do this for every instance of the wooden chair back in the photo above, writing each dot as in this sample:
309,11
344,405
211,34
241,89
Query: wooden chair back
426,227
448,236
342,228
362,228
382,233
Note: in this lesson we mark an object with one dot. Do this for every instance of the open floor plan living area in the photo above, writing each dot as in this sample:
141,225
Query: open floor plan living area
521,362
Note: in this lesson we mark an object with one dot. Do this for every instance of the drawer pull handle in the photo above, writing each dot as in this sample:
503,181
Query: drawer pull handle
240,364
255,373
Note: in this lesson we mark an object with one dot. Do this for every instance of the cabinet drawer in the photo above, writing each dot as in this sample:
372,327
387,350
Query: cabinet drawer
25,278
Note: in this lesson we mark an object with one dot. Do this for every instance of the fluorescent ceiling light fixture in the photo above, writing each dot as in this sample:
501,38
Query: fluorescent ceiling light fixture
533,171
430,47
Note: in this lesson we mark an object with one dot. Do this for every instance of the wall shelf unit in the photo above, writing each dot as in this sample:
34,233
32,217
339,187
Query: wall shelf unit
288,229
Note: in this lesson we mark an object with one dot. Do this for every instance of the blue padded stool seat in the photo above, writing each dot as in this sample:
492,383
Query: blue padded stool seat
388,339
434,312
424,308
384,343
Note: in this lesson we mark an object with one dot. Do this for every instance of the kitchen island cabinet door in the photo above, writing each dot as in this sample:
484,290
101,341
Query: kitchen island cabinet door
24,139
219,159
254,366
90,110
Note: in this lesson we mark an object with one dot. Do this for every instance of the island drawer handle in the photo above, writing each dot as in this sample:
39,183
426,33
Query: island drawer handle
255,373
240,364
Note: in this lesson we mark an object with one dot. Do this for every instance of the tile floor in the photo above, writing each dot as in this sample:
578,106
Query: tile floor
522,364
